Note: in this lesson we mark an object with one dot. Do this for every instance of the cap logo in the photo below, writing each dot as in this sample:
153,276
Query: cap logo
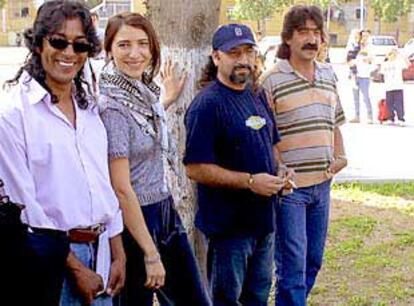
238,32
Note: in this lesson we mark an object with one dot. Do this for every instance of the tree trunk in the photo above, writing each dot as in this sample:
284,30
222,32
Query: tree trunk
185,29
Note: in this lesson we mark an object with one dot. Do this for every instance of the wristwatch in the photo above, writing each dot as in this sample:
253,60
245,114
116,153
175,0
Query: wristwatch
251,180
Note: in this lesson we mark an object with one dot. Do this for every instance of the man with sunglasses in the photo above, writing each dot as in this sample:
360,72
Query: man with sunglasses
53,160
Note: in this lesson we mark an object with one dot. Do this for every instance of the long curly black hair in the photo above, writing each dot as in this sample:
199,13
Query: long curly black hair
49,19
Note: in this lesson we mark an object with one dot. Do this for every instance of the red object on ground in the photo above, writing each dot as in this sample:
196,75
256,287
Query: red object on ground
383,112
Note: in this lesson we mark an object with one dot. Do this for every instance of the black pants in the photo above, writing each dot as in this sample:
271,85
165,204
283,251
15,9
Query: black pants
395,103
45,267
183,284
12,264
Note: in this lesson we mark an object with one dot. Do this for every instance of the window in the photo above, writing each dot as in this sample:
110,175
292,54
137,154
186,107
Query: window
19,9
358,13
229,13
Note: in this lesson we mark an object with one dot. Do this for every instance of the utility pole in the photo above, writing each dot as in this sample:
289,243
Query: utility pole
361,15
328,17
4,20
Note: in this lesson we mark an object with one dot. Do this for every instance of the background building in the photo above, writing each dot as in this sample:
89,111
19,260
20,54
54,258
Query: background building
17,15
344,18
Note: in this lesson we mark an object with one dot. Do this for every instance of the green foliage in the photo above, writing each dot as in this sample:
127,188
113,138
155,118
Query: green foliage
2,3
391,10
257,10
323,4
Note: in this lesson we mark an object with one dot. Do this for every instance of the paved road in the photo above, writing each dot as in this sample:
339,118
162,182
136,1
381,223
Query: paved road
375,152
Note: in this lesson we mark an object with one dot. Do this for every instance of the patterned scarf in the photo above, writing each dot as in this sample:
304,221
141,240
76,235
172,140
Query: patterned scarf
141,99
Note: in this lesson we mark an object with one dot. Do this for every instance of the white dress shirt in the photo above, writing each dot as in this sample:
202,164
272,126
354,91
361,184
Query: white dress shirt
59,172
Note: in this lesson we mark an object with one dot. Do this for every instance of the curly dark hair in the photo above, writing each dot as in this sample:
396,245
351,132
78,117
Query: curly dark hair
49,19
296,18
208,73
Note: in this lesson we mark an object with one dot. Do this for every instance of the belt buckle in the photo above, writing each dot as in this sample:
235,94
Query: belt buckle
98,228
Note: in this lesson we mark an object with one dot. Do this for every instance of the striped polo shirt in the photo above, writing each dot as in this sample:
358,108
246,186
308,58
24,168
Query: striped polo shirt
306,115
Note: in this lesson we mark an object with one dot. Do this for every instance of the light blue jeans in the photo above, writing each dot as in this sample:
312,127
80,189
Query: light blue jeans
85,252
363,87
302,224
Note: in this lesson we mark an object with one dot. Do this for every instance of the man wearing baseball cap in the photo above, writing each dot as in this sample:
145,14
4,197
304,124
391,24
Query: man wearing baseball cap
231,134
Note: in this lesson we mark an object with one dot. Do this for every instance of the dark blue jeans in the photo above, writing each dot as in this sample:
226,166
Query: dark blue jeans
302,224
395,103
240,270
183,283
46,263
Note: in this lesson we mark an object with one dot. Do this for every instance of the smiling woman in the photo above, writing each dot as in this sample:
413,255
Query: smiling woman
159,255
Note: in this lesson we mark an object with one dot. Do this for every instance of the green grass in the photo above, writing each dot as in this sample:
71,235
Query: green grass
369,258
400,189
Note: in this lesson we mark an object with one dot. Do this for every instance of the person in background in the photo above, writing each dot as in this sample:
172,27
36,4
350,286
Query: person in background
159,256
364,67
53,160
392,69
360,73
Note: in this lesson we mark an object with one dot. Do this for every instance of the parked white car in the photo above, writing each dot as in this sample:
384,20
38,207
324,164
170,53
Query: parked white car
379,46
408,49
268,42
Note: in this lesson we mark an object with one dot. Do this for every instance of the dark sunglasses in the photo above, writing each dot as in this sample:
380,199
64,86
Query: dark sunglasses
62,44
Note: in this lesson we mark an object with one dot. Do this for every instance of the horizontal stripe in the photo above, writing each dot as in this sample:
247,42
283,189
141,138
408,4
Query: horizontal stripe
282,91
305,99
305,123
319,169
320,138
306,114
308,164
308,129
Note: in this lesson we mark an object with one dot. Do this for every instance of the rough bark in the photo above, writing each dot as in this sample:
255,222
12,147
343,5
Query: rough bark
185,28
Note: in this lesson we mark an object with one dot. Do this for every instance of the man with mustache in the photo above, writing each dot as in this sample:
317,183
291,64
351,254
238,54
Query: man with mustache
308,113
231,136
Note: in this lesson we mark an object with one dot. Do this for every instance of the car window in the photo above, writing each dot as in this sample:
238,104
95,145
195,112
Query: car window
382,41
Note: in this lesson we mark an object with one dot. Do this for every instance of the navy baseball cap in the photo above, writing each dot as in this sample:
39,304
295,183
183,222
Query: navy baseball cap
232,35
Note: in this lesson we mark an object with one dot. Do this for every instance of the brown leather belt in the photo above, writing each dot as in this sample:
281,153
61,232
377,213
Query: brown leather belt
86,235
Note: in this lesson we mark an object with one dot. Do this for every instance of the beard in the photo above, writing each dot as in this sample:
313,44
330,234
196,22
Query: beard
241,78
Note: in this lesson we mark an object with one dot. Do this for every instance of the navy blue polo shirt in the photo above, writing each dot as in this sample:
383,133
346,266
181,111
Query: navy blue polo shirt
234,129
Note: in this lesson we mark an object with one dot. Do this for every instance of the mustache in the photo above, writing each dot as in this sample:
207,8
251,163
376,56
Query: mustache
314,47
241,66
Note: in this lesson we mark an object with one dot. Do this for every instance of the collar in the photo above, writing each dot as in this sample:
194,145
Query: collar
285,67
35,92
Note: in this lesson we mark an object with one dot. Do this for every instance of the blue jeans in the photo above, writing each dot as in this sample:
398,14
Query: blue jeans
240,270
302,224
183,284
395,103
85,252
363,86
